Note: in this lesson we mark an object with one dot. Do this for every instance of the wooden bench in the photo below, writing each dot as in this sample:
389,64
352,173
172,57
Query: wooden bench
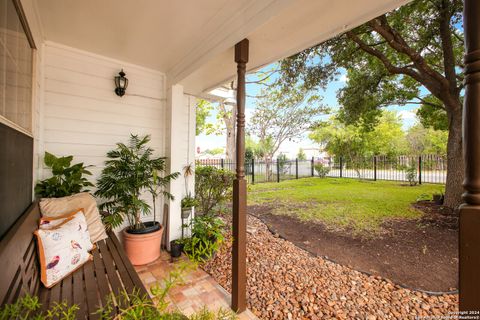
89,287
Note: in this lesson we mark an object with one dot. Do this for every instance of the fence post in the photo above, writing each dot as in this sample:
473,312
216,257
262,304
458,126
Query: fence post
313,163
278,171
341,167
222,163
375,168
253,171
419,169
296,168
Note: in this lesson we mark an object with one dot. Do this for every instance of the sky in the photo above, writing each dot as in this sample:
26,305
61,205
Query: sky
205,142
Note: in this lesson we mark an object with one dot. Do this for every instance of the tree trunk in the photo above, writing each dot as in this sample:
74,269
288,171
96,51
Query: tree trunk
229,120
455,162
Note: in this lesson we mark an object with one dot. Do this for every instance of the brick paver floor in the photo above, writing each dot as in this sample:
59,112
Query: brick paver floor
199,289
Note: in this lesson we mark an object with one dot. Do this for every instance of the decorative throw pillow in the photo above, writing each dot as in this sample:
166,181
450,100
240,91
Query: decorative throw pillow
57,207
63,249
75,217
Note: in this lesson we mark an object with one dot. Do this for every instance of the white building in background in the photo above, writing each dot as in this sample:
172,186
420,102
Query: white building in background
311,151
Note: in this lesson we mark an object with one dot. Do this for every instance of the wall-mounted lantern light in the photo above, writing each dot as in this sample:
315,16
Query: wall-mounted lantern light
121,84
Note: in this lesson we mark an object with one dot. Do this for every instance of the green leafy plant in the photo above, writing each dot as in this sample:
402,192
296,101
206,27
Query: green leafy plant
28,307
213,186
138,306
207,236
321,170
131,170
411,175
221,314
67,179
189,202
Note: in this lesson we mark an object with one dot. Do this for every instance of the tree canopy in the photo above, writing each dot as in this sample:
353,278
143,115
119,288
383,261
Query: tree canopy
283,114
412,55
203,111
351,141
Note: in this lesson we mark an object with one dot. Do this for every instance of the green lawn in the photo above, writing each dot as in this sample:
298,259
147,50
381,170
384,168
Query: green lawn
341,203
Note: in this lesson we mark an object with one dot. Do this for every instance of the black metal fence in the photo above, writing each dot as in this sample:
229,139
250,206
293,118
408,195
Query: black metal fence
428,168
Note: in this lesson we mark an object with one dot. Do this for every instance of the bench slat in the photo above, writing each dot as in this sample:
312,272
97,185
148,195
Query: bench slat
124,275
100,276
54,295
128,265
67,290
110,269
44,297
91,291
79,293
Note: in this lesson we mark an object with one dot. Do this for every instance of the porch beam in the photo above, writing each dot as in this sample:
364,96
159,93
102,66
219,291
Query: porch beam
469,242
239,251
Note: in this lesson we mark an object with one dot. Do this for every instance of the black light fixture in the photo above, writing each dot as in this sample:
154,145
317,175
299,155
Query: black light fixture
121,84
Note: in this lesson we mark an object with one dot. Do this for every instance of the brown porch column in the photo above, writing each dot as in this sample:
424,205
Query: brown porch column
470,211
239,254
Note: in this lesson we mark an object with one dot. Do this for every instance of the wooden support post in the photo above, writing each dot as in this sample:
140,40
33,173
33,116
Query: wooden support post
375,168
239,250
296,168
222,163
469,246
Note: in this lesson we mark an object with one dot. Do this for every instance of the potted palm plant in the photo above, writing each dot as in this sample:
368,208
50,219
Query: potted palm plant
131,171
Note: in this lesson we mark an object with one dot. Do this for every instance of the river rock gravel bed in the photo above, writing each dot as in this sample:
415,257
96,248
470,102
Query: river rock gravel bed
286,282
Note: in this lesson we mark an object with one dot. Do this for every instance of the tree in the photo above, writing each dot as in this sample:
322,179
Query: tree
352,141
225,123
228,115
214,151
282,114
301,154
203,111
411,55
423,140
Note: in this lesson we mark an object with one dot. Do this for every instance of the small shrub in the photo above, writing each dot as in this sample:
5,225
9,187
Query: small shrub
189,202
321,170
207,236
66,180
28,307
213,186
411,175
283,164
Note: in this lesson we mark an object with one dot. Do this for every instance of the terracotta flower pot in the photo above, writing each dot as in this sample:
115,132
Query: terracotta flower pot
142,248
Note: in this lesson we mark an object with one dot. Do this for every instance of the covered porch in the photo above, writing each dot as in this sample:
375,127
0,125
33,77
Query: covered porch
172,54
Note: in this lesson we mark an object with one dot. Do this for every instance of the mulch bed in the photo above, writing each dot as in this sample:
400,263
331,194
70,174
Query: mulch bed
287,282
419,254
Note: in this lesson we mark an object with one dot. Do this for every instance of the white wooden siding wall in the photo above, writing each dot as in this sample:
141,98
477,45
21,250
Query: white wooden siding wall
81,115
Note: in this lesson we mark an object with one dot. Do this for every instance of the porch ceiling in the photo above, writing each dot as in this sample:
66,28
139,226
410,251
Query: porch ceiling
192,41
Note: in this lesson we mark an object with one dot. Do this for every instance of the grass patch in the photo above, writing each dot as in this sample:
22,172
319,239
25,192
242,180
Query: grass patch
357,205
